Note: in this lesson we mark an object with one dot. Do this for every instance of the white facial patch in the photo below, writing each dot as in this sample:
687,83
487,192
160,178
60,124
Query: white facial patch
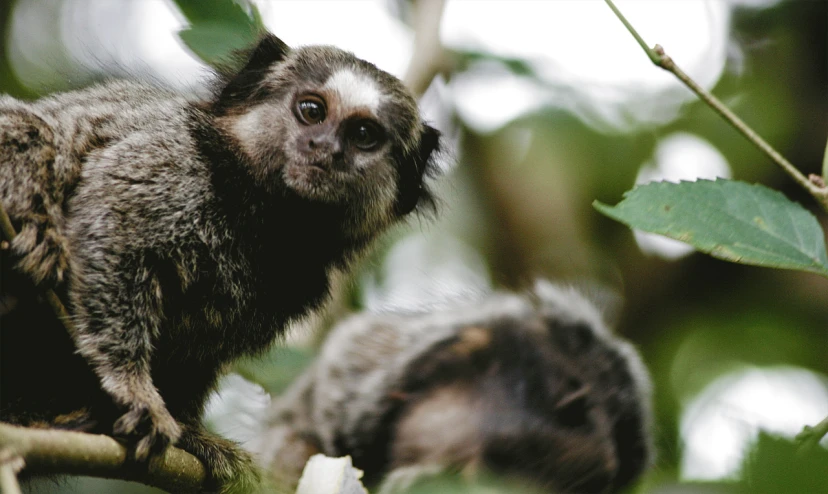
248,126
354,90
250,132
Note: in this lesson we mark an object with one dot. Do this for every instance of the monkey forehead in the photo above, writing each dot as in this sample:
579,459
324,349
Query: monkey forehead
354,91
357,82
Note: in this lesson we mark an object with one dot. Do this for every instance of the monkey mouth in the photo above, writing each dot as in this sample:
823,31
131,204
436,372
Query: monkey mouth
320,167
313,180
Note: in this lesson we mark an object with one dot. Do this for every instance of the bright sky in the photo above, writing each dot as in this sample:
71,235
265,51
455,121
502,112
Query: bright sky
719,423
587,62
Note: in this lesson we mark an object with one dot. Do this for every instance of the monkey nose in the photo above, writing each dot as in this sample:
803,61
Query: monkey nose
325,143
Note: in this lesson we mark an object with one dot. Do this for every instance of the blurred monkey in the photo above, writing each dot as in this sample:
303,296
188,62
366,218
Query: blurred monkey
533,387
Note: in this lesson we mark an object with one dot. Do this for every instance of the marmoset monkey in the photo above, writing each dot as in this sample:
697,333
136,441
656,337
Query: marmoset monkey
184,234
533,387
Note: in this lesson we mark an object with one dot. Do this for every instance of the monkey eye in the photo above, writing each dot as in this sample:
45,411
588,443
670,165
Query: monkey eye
365,135
311,110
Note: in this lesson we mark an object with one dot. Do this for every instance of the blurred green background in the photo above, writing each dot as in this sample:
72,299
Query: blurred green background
548,106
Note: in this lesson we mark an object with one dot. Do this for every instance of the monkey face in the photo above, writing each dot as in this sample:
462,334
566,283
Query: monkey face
340,148
539,397
507,398
322,124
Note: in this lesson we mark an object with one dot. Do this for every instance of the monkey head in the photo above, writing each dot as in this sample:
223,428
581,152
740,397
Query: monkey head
318,123
532,387
543,401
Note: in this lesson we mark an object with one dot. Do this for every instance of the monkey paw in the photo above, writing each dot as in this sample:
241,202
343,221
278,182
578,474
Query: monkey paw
231,470
236,474
44,253
150,428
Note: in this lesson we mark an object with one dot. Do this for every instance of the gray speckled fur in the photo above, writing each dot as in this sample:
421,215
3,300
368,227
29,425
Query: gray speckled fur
59,133
361,376
184,236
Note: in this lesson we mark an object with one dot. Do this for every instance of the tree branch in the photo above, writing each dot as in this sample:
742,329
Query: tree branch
45,451
815,185
429,57
49,451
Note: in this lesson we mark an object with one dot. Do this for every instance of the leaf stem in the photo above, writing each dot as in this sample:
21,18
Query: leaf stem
649,51
813,184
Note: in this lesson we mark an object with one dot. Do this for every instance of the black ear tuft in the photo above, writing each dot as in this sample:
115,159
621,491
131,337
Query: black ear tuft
244,84
414,167
268,51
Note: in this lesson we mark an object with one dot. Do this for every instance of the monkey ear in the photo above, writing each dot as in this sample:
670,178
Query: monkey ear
269,50
245,84
414,168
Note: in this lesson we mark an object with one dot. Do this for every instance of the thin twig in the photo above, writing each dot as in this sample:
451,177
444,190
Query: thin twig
811,436
669,65
49,452
650,53
10,464
51,297
6,225
815,186
825,161
8,480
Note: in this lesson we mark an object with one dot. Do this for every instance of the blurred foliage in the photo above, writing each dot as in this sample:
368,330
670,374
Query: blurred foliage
528,211
467,58
276,369
774,465
483,484
218,28
8,82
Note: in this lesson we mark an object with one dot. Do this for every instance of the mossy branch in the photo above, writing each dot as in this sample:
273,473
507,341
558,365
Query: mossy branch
50,452
814,184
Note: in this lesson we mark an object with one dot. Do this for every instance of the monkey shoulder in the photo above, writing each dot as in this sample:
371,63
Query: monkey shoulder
147,207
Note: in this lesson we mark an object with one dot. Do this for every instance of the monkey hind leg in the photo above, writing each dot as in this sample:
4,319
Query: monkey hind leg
32,188
230,469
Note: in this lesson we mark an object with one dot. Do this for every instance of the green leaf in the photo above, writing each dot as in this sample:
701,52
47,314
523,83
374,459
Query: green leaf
730,220
515,65
775,465
277,369
483,483
218,27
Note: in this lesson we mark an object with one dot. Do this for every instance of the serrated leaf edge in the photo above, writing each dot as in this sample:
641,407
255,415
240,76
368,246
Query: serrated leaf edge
817,266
